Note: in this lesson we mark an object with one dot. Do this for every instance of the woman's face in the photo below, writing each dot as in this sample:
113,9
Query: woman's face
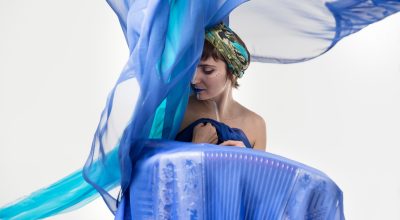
211,79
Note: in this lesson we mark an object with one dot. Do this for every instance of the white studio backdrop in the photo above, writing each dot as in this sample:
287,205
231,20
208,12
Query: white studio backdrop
338,113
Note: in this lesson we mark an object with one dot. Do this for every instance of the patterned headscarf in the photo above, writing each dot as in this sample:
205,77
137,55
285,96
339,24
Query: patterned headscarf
231,47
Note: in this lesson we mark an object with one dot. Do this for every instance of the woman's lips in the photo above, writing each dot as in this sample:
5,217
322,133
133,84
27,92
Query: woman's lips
197,90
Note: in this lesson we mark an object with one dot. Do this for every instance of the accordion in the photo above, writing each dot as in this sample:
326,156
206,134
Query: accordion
175,180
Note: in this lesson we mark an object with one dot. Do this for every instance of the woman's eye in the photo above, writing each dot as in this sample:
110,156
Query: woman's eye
208,71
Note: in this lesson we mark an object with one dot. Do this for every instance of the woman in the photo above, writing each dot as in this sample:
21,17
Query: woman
224,60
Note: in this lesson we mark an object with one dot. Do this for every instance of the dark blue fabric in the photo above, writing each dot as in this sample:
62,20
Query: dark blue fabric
224,132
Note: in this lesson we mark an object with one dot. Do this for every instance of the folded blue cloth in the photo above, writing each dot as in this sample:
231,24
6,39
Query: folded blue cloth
224,132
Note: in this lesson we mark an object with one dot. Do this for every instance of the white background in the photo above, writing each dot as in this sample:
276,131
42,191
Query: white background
338,113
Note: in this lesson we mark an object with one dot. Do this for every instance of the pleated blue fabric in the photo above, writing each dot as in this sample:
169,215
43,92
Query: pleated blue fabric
178,180
165,40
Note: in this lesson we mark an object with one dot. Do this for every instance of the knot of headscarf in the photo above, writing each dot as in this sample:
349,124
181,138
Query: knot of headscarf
231,47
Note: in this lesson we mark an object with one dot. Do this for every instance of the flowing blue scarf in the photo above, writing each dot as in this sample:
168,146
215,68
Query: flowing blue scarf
165,40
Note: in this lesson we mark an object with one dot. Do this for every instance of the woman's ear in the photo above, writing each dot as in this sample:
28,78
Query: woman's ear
234,79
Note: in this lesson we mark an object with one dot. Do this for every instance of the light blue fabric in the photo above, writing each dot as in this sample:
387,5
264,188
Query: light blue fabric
67,194
165,40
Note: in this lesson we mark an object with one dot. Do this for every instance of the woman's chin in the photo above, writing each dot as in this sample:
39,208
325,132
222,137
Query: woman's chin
202,97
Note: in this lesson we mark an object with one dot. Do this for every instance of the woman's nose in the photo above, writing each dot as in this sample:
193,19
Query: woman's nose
196,77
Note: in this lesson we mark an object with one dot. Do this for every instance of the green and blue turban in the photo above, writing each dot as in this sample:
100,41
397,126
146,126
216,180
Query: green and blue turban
231,47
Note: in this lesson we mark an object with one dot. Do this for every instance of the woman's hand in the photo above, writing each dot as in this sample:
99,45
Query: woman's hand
233,143
205,133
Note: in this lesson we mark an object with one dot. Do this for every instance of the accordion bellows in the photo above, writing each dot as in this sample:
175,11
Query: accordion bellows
186,181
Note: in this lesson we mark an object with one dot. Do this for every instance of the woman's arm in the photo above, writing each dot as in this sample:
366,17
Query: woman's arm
258,133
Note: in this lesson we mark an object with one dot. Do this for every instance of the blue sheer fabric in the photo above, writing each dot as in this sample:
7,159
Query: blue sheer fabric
224,132
165,40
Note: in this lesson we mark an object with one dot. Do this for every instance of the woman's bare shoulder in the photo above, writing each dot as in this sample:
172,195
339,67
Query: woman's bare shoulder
190,113
255,124
250,116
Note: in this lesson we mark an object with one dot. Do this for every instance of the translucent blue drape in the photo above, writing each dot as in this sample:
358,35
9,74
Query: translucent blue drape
285,31
165,50
165,40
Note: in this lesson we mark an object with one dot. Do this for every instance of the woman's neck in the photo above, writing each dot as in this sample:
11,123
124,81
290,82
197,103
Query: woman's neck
222,105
